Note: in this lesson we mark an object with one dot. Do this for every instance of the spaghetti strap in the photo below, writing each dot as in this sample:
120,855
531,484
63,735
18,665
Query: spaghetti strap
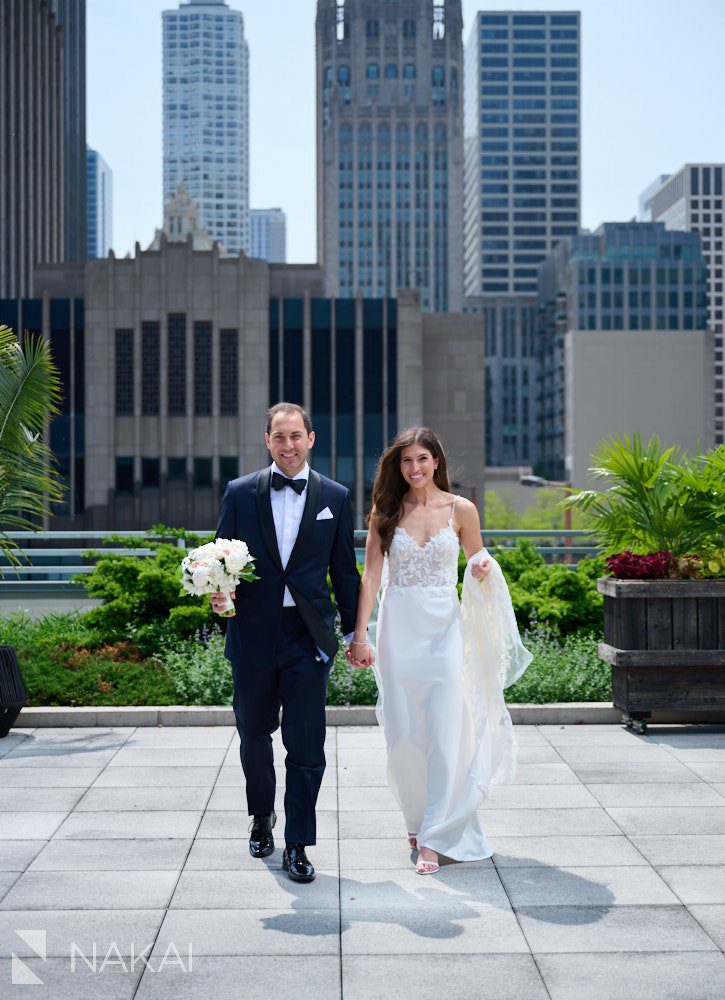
453,507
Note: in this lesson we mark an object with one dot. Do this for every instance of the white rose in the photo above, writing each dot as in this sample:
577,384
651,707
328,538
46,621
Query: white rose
200,577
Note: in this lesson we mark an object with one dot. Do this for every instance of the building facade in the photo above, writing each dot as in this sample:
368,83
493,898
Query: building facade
206,116
390,148
268,234
100,205
522,146
32,145
169,361
622,334
71,18
692,200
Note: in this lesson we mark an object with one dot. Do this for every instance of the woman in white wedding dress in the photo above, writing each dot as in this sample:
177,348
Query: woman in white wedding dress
441,664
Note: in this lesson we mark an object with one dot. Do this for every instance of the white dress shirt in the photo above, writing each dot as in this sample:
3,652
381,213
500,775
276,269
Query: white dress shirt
287,510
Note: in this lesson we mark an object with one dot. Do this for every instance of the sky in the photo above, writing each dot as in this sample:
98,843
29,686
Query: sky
653,80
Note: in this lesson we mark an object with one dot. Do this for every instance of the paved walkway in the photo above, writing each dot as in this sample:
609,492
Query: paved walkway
608,878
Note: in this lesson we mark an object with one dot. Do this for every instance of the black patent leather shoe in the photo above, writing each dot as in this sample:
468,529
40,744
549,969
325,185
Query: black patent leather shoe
296,863
261,841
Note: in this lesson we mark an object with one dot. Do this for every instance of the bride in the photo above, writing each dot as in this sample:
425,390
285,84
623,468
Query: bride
441,664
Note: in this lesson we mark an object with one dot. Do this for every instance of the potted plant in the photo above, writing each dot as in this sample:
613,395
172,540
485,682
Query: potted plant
29,481
661,524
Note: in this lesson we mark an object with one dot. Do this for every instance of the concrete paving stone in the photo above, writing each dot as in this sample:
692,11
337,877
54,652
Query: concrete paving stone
638,976
129,930
364,757
696,883
49,777
357,777
470,929
719,787
49,740
707,770
41,759
367,737
147,799
587,886
55,980
669,819
96,890
30,799
112,855
538,755
528,852
30,825
631,773
530,736
181,737
546,822
681,849
690,736
172,777
10,741
79,732
371,825
694,795
612,928
266,889
453,888
696,754
711,917
134,824
376,853
229,798
546,774
260,977
16,855
7,880
569,736
232,823
432,976
375,797
251,932
233,854
637,753
540,797
168,756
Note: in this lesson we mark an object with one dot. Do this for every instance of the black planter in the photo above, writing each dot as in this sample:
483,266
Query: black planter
13,693
665,640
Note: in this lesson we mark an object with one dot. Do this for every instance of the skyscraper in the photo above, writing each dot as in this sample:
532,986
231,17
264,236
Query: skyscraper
390,148
522,146
100,205
268,239
206,115
692,200
71,18
42,123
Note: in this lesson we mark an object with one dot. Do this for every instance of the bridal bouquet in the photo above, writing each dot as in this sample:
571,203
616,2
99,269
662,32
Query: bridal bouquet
217,567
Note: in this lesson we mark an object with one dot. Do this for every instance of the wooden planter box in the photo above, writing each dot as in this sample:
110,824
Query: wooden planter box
665,640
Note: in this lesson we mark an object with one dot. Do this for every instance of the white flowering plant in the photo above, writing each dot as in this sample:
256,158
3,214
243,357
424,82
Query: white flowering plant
217,568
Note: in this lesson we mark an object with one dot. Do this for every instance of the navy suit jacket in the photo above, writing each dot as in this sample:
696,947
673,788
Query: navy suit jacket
246,513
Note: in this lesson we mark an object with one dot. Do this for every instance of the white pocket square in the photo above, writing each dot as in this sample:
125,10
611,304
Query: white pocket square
324,515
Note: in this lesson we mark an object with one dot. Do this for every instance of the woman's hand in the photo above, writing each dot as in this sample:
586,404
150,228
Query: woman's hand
481,569
218,600
360,655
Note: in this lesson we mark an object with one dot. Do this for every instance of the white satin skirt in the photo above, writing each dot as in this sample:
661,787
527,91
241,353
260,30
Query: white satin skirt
434,756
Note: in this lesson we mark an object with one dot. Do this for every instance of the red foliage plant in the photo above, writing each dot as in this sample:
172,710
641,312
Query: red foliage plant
648,566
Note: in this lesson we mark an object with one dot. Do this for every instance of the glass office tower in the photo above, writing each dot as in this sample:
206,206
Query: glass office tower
522,146
206,116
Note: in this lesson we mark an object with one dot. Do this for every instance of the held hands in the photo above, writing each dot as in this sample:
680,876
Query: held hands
481,569
360,655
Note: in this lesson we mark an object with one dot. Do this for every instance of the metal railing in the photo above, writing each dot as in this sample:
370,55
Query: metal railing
50,568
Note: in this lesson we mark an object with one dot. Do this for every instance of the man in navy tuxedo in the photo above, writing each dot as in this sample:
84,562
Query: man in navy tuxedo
281,642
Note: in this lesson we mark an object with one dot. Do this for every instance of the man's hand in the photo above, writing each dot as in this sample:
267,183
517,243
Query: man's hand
218,600
481,569
360,655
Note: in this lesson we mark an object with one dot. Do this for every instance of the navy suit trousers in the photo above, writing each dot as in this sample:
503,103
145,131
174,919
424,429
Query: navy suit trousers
296,681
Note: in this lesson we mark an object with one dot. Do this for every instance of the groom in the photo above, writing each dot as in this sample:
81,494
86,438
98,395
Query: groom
281,642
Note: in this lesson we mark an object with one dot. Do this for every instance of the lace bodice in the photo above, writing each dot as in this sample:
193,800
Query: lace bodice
434,564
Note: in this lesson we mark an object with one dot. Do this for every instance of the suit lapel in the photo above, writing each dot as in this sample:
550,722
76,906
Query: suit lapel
265,517
309,514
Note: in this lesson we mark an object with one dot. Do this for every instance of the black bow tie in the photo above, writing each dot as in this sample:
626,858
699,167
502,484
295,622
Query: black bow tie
279,482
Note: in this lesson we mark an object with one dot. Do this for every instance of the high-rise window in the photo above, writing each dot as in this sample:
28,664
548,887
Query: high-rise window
176,358
202,369
150,369
124,373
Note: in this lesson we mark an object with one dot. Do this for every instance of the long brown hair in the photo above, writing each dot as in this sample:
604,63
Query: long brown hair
390,487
